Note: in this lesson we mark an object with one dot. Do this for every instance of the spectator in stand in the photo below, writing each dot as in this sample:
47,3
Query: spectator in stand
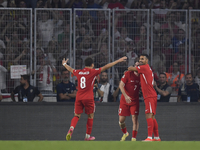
161,10
57,3
175,79
167,48
170,24
46,26
105,88
3,72
189,91
26,92
181,61
91,4
197,78
141,40
163,89
159,58
0,96
178,39
31,4
76,4
66,90
45,72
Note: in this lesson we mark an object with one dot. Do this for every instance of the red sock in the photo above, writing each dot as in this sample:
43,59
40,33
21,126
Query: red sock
89,126
155,128
124,130
150,127
74,121
134,134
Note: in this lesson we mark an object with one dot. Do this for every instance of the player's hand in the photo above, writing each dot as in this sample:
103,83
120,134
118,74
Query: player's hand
64,61
123,59
130,68
128,99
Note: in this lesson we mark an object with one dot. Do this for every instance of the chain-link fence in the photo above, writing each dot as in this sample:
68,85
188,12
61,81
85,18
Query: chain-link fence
170,37
53,42
15,46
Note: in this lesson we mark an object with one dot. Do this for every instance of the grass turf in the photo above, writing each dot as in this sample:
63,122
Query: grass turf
99,145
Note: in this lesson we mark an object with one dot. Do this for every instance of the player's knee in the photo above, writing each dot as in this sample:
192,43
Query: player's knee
121,123
77,115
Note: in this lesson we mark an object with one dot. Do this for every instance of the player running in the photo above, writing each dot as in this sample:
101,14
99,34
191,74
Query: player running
149,95
85,96
129,102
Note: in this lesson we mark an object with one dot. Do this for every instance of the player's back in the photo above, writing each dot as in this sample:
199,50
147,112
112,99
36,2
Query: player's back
147,80
86,78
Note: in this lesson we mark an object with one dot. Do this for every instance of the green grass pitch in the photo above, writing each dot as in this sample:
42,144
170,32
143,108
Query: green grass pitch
99,145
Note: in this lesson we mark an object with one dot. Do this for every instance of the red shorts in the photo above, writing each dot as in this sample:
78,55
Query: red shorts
150,105
87,104
126,110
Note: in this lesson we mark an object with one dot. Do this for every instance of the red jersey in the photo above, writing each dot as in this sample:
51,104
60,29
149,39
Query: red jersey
86,78
116,5
146,80
132,87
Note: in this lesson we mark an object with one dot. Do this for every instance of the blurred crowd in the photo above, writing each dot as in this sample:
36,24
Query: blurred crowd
102,34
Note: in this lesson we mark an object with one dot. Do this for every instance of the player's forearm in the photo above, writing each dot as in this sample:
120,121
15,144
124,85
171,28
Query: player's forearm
101,93
132,68
68,68
121,86
109,65
72,95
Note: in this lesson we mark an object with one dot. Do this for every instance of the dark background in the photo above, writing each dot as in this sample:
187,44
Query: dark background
51,121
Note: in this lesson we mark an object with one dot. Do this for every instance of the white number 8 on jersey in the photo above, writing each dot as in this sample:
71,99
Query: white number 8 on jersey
82,84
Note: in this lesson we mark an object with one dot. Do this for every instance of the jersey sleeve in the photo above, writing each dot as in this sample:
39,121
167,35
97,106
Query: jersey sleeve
141,69
75,72
125,77
97,71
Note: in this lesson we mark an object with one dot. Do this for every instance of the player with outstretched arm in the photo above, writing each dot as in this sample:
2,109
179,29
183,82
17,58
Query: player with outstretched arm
129,102
85,96
149,95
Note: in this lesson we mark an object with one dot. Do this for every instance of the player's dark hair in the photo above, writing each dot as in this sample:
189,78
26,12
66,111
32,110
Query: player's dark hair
89,61
162,73
147,56
26,77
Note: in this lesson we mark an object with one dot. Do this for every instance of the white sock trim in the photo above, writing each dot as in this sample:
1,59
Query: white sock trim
156,138
87,136
149,137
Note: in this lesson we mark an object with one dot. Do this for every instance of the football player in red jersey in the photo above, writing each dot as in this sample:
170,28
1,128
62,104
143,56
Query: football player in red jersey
149,95
85,96
129,102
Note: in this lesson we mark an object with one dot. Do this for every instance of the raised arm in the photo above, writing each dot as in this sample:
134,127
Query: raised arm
64,63
131,68
113,63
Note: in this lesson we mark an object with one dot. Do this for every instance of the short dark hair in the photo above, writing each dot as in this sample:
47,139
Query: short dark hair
147,56
63,70
89,61
162,73
188,74
26,77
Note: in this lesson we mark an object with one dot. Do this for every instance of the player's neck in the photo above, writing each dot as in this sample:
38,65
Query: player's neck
88,67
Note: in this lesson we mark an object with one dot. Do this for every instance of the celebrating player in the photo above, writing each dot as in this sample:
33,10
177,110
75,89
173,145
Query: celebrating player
149,95
129,102
84,96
